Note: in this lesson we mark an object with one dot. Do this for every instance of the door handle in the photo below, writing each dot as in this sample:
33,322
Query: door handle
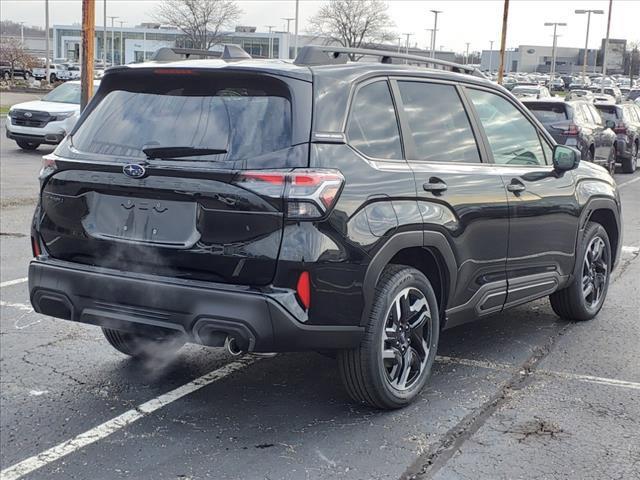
516,186
434,185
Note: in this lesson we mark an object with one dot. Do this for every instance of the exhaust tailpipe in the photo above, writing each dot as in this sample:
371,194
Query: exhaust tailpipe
232,347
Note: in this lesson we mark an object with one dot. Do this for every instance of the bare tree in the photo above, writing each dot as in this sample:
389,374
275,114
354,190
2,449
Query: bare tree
200,20
353,23
13,54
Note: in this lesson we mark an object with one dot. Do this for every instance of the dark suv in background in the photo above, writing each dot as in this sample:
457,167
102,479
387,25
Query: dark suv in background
354,207
627,129
578,124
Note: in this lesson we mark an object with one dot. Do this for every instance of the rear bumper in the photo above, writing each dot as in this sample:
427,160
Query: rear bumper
204,313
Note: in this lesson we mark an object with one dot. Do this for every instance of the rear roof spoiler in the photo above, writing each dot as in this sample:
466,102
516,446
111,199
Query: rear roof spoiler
230,53
331,55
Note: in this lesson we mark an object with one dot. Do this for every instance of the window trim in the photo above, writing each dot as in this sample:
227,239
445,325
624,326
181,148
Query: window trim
345,129
411,152
542,134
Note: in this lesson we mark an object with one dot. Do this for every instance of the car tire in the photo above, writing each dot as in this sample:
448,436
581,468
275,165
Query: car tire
630,164
6,76
164,345
591,274
53,78
586,156
26,145
611,161
386,371
27,75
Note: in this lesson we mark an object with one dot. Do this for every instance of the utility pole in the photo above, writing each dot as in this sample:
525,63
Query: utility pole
113,34
46,36
22,32
270,27
490,55
466,58
435,31
88,37
606,48
121,22
503,40
586,42
555,26
104,35
295,45
430,44
406,44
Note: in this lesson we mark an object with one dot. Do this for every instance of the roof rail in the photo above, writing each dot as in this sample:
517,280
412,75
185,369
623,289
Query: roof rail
230,53
332,55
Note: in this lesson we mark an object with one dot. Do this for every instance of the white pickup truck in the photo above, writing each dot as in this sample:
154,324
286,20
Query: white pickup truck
56,72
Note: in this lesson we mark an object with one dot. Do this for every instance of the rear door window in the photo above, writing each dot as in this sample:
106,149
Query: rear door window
243,117
438,121
548,113
373,124
609,113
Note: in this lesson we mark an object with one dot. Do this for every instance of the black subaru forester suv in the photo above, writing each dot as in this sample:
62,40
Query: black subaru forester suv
329,205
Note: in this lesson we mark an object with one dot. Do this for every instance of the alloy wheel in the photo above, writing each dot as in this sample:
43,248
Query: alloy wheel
595,271
406,339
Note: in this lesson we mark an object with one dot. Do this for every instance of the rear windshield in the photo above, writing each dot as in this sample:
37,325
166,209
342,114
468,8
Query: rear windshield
608,113
246,118
548,113
65,93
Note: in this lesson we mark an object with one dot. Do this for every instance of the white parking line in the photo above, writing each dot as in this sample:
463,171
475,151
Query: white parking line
13,282
624,184
569,376
20,306
631,250
127,418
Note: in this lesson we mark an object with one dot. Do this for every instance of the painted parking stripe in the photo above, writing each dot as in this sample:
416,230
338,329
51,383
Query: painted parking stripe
566,375
13,282
121,421
630,250
629,182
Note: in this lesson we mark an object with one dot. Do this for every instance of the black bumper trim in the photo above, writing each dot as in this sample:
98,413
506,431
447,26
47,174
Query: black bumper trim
49,139
204,315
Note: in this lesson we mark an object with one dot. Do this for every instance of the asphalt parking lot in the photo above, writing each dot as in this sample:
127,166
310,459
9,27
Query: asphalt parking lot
520,395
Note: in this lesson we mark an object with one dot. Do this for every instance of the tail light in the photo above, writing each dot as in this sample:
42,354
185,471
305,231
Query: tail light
48,165
303,290
620,129
308,193
569,130
35,247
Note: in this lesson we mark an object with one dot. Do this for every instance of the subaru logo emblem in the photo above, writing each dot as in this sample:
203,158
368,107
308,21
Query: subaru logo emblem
28,114
134,170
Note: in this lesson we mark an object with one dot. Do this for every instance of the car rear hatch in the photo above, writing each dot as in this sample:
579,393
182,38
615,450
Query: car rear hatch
201,211
556,118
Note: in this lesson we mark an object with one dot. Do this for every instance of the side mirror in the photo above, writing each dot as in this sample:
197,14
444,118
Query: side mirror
610,124
565,158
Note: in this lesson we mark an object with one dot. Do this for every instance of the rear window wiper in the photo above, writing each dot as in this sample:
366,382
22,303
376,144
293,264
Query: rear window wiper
177,152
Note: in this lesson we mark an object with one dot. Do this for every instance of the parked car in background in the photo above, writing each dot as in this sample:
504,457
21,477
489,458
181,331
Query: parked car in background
47,120
633,94
557,85
603,98
578,124
568,80
360,208
580,94
627,130
56,72
531,91
71,73
580,83
18,72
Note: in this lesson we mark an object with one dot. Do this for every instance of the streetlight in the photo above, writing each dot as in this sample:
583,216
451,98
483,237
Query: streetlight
586,42
121,22
435,31
466,62
113,34
406,45
606,48
295,45
22,32
288,20
270,27
430,30
555,26
47,46
104,35
490,55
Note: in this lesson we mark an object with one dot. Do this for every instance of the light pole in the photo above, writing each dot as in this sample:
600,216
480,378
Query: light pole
270,27
46,36
435,31
288,20
430,30
586,42
113,34
22,32
295,44
406,44
104,35
466,58
555,26
606,48
490,55
121,22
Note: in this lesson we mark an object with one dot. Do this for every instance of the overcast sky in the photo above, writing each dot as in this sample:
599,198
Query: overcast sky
476,21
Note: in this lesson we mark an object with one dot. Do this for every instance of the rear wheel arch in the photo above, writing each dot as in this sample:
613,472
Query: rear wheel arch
606,218
428,252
